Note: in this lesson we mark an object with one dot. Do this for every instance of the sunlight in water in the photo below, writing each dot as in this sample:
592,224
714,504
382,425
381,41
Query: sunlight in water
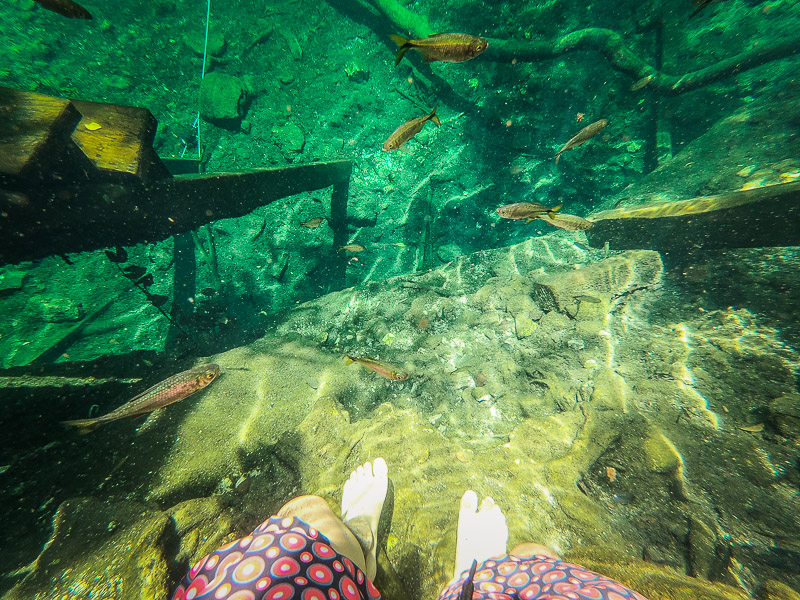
685,379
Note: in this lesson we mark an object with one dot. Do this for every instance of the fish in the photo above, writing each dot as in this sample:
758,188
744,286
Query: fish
586,298
66,8
525,211
351,248
408,130
170,390
313,223
380,367
753,428
643,82
565,221
583,136
445,47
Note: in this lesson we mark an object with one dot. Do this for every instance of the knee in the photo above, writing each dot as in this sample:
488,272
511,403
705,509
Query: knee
529,550
303,506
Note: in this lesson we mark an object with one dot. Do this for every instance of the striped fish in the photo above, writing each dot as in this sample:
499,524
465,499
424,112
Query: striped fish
170,390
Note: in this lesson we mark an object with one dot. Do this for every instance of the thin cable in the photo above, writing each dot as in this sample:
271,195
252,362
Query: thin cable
203,73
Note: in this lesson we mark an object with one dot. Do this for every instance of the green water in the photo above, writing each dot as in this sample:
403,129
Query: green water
628,393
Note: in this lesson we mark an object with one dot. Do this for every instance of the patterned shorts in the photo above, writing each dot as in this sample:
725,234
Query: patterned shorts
512,578
282,559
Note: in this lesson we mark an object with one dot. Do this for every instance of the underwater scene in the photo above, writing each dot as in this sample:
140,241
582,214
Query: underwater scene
352,299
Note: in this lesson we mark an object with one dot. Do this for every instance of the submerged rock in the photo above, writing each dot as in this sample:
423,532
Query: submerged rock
221,97
597,449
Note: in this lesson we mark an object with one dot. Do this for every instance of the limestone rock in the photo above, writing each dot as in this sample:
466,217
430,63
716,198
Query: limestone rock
195,40
221,97
785,414
289,137
617,275
102,550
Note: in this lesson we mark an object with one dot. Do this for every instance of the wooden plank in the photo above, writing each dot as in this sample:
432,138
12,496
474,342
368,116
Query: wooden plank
195,200
89,217
35,145
119,140
761,217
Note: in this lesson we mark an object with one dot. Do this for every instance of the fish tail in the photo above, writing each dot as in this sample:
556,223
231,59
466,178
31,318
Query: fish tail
84,425
552,212
400,55
404,45
434,118
558,157
398,39
350,360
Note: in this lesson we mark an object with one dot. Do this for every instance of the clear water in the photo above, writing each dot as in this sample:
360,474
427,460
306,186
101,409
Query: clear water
633,405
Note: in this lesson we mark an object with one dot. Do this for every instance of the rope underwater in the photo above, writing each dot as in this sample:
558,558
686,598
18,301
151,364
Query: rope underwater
202,76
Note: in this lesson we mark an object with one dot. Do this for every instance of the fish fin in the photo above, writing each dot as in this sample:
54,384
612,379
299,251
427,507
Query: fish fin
528,220
434,118
558,157
84,425
398,39
400,55
404,45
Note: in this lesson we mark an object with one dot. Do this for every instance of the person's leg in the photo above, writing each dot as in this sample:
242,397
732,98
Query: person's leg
529,550
482,533
362,502
316,512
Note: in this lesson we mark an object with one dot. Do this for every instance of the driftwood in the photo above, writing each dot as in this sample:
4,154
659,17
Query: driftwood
608,43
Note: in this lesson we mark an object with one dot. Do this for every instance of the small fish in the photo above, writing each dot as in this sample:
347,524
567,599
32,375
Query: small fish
209,291
351,248
643,82
170,390
445,47
588,299
66,8
381,368
583,136
313,223
399,244
526,211
579,117
569,222
408,130
753,428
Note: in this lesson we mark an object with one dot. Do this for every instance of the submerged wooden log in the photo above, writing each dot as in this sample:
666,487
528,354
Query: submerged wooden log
760,217
609,43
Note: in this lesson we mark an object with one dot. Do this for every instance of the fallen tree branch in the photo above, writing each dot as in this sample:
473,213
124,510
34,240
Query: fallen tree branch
608,43
612,46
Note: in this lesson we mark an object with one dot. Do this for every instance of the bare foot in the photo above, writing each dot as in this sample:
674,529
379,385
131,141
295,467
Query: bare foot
362,502
482,533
